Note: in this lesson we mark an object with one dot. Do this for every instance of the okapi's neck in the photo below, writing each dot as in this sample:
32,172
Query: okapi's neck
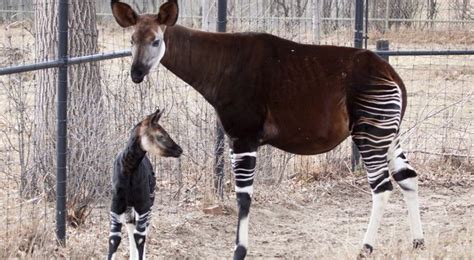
133,153
196,57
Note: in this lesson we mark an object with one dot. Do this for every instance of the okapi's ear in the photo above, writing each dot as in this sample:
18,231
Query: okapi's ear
156,116
168,14
123,13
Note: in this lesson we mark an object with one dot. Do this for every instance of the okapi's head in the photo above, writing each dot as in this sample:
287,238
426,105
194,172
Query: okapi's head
148,46
155,139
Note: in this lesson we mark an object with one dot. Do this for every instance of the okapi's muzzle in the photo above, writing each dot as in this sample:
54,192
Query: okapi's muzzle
138,72
171,149
175,152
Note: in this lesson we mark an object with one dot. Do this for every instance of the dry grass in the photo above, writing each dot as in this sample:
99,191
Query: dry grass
317,220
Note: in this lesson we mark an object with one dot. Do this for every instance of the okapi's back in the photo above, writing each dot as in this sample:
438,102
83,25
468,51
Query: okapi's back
308,91
297,97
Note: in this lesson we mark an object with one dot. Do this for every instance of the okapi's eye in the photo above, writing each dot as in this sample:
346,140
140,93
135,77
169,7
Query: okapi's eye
131,42
156,43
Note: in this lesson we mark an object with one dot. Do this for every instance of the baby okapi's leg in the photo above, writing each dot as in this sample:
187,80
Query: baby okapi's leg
406,177
130,219
139,234
117,210
243,159
114,236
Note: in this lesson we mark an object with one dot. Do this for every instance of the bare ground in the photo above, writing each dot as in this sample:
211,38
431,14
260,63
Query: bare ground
310,221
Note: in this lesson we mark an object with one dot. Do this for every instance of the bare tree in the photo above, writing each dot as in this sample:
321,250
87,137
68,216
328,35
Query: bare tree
405,10
432,8
293,8
86,123
462,9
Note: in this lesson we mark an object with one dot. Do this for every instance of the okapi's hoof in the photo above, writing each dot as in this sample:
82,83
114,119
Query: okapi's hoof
419,243
365,252
240,252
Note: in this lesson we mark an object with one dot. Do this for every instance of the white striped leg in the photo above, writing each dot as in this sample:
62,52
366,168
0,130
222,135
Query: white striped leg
114,236
407,179
379,202
379,180
243,165
379,111
131,241
140,231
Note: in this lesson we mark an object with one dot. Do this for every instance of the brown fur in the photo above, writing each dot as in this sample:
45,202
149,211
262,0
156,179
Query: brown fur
293,96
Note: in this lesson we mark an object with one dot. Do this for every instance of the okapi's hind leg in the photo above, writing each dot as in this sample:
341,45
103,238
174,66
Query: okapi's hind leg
377,114
243,157
406,177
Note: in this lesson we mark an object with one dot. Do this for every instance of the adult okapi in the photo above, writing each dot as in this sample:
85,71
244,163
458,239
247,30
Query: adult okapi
303,99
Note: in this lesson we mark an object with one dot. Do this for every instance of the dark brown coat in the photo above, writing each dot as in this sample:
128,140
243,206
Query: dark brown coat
293,96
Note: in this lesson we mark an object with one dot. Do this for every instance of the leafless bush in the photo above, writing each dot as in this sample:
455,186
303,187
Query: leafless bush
404,10
26,241
462,9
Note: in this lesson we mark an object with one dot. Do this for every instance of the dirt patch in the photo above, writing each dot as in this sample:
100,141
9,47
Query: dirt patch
309,222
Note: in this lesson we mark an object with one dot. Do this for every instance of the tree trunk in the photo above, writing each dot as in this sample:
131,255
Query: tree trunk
86,131
46,20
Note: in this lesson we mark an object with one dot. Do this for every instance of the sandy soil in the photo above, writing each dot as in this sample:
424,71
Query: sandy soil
313,222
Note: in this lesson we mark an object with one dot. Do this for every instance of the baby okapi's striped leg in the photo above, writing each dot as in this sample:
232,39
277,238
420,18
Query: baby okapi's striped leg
131,240
130,223
243,165
406,177
378,118
114,236
139,234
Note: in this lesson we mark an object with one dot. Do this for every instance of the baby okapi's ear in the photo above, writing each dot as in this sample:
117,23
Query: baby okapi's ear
123,13
155,117
168,14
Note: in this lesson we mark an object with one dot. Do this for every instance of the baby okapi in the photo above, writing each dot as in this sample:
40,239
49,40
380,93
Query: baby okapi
133,183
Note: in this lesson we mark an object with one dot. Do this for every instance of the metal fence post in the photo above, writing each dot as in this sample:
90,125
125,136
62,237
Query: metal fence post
387,8
358,38
366,30
359,23
61,136
383,45
219,148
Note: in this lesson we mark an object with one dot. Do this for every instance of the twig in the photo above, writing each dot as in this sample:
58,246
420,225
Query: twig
357,188
440,154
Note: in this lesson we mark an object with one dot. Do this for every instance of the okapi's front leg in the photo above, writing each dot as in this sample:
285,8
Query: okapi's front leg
243,158
139,234
117,210
114,236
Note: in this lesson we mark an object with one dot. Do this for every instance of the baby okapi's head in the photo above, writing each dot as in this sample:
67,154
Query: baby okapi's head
154,139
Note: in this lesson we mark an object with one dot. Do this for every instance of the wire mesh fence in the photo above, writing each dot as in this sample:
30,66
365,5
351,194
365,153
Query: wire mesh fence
104,105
